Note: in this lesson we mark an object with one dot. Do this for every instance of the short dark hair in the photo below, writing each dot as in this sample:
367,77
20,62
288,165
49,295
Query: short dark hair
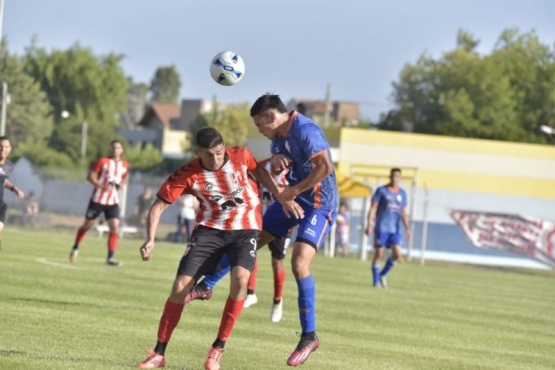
4,137
116,141
393,170
268,101
208,138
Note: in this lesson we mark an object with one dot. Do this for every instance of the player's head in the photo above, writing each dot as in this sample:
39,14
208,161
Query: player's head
210,148
395,176
342,207
5,147
116,149
269,114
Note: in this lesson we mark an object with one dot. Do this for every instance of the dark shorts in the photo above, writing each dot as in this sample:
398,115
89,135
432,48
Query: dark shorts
3,211
279,246
313,228
208,245
94,210
387,240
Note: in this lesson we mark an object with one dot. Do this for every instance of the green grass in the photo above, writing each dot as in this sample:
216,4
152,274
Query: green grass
54,315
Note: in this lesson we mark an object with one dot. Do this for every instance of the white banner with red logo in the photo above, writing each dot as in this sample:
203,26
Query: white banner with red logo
522,235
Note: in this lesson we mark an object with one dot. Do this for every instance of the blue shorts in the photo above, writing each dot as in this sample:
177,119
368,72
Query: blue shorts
312,230
387,239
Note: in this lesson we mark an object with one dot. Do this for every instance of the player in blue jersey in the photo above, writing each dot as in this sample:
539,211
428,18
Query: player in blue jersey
388,211
299,145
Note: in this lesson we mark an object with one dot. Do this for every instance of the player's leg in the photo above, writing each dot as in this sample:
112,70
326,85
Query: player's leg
93,211
241,251
395,244
194,263
278,248
311,233
111,213
203,290
3,212
380,241
251,287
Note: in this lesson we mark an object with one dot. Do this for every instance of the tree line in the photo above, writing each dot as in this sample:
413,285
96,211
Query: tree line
506,94
502,95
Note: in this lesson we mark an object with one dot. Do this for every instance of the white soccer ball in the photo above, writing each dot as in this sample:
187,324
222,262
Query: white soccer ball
227,68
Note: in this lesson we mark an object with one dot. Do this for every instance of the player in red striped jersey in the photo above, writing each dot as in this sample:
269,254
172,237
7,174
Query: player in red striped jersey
108,175
228,222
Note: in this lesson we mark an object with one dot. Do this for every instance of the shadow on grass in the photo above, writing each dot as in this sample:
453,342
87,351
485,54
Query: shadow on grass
57,302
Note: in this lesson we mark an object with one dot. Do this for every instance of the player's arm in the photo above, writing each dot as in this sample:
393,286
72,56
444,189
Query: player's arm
405,219
371,217
263,177
92,177
14,189
321,168
152,221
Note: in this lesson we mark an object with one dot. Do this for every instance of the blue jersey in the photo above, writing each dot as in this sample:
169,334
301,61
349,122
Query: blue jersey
304,141
390,208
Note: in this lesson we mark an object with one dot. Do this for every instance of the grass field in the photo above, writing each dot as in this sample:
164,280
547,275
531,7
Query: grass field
54,315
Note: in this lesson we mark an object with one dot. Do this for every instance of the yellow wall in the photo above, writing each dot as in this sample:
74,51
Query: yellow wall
449,163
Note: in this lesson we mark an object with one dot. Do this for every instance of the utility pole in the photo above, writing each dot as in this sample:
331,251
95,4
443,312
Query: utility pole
327,109
1,17
5,102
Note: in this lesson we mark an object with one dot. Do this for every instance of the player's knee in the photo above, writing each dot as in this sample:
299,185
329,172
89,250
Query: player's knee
181,287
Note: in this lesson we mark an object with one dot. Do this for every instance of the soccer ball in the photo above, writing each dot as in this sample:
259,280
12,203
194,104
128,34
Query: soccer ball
227,68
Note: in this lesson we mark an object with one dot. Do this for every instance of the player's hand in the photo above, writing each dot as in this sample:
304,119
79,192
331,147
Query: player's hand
408,234
292,208
368,230
146,250
19,193
287,194
280,162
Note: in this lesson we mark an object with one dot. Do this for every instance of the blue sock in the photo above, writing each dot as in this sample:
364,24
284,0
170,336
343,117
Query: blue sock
221,270
376,273
307,303
388,266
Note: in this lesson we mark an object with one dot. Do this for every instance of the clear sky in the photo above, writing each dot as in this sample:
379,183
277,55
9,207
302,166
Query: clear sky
293,48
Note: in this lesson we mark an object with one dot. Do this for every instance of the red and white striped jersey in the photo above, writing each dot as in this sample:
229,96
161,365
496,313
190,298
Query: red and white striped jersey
265,194
228,199
112,172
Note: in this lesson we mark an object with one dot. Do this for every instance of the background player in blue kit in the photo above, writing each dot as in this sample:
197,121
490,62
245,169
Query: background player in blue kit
389,209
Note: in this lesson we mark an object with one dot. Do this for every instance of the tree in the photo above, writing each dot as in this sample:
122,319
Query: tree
505,95
165,84
231,121
91,88
143,159
29,114
136,103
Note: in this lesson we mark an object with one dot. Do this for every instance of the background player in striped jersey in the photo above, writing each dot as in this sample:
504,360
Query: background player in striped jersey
278,248
299,145
229,221
108,175
6,168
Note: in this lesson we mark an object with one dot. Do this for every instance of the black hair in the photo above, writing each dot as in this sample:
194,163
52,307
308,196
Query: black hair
116,141
267,101
393,170
4,137
208,138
